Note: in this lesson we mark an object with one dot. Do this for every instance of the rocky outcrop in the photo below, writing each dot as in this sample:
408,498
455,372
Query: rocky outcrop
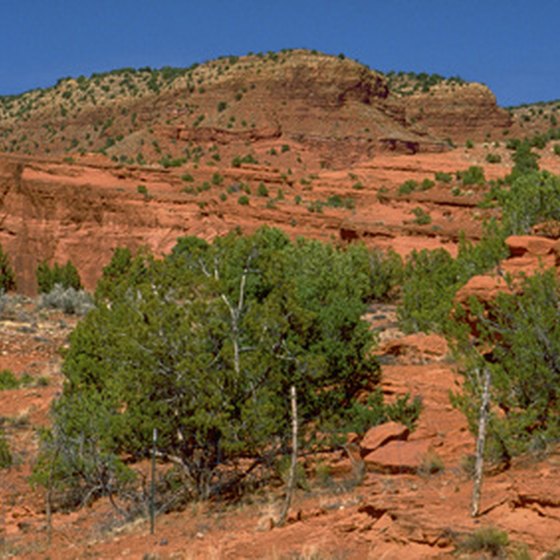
457,111
527,255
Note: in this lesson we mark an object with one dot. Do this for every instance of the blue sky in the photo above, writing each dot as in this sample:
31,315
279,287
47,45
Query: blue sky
513,46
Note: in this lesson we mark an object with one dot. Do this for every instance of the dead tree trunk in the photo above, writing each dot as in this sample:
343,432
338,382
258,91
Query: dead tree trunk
480,442
293,465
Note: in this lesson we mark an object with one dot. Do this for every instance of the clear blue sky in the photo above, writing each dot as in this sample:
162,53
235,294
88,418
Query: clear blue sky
513,46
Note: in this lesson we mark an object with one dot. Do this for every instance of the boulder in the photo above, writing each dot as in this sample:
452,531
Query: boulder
484,288
520,245
398,457
380,435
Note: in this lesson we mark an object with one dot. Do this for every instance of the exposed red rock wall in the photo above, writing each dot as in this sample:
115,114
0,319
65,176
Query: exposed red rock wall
458,112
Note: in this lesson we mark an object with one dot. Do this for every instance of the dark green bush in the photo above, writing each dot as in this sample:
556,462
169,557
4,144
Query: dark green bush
237,161
7,276
443,177
493,158
66,276
474,175
421,217
426,184
8,380
408,186
5,454
204,346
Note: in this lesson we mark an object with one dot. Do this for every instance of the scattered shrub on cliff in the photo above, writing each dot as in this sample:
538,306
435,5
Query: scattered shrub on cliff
421,217
7,276
204,346
408,186
237,161
262,190
493,158
66,276
8,380
443,177
474,175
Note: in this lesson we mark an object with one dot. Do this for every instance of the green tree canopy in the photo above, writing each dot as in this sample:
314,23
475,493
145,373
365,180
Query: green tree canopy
204,345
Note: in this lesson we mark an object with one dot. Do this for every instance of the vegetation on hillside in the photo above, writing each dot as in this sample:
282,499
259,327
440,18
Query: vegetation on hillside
204,347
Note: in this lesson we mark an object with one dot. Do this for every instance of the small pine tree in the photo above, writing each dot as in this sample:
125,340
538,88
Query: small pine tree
7,277
66,276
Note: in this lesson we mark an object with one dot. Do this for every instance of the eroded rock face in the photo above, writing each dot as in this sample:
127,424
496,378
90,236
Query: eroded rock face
459,112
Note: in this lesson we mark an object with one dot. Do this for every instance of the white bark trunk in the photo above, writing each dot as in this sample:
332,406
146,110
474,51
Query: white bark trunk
481,439
293,465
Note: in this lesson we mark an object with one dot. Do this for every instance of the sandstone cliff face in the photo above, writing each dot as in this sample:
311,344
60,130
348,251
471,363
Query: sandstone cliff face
319,127
56,213
457,112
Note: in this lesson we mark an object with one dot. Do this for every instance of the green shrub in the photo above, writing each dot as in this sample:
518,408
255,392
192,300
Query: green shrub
525,161
187,177
222,106
217,179
262,190
556,149
5,454
469,145
532,198
408,186
243,200
421,217
204,346
7,276
523,332
443,177
426,184
172,162
430,282
431,279
486,539
336,201
237,161
493,158
474,175
66,276
8,380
